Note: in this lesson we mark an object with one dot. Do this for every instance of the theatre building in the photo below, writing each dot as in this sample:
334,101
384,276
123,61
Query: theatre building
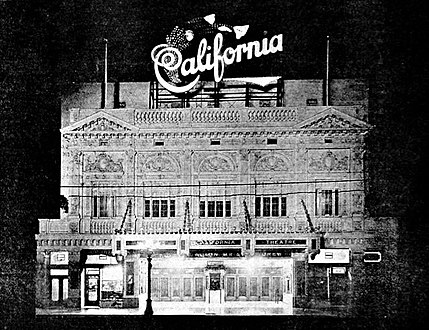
247,195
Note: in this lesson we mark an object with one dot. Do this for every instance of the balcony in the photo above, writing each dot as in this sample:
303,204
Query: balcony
169,226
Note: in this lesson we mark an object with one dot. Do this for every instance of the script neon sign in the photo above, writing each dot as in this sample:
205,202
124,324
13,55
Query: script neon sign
170,59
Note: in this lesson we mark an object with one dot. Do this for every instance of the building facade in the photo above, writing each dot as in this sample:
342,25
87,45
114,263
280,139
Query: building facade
249,199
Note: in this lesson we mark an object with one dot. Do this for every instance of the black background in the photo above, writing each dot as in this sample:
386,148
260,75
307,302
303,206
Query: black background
48,47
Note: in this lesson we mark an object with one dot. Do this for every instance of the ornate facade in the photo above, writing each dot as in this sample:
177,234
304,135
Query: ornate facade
243,208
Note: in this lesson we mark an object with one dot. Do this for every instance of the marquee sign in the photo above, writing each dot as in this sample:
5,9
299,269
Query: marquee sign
281,242
179,74
216,242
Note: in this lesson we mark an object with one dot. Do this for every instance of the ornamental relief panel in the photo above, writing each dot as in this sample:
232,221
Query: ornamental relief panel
216,164
328,160
160,163
103,163
157,163
271,162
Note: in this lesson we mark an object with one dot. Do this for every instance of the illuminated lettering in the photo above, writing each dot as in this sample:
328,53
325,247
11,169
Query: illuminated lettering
170,59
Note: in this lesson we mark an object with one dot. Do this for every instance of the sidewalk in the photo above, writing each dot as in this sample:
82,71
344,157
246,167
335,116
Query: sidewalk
170,309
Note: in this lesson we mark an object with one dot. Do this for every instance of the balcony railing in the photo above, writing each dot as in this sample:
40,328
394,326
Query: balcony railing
149,226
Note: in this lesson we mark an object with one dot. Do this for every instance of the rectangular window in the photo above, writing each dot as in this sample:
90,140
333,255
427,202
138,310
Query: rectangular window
147,208
95,207
219,209
164,286
242,286
164,208
155,208
65,288
230,286
271,141
277,288
228,209
175,287
283,207
187,282
275,207
172,208
253,286
202,209
198,287
257,206
271,206
103,206
154,286
266,207
265,286
55,289
336,202
211,209
215,142
326,202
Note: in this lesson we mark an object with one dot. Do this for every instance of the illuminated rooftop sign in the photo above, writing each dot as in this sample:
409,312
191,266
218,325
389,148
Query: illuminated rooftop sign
172,69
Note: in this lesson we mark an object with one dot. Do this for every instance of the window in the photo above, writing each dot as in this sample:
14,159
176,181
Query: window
198,287
327,202
215,142
271,141
164,287
265,286
163,208
216,209
242,286
175,286
103,205
230,286
271,206
154,286
187,287
253,286
159,143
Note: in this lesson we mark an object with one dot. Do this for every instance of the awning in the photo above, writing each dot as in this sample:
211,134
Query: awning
100,259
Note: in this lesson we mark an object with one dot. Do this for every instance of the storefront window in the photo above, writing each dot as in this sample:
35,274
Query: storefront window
164,287
242,286
253,286
265,287
187,287
112,282
175,285
198,287
230,286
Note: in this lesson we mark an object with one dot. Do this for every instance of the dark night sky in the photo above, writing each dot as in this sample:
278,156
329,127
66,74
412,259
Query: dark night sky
47,47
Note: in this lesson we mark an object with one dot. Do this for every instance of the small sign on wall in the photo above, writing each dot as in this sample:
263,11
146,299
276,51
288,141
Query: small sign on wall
59,258
330,256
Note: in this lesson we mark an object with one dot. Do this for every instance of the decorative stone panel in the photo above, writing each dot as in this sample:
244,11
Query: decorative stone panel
333,160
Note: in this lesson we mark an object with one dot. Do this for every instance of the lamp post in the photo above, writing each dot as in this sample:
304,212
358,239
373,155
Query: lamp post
149,311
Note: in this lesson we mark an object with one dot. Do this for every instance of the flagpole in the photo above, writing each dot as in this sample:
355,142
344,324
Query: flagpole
327,73
105,63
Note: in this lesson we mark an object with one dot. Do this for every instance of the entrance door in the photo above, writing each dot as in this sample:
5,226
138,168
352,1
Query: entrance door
215,288
92,287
